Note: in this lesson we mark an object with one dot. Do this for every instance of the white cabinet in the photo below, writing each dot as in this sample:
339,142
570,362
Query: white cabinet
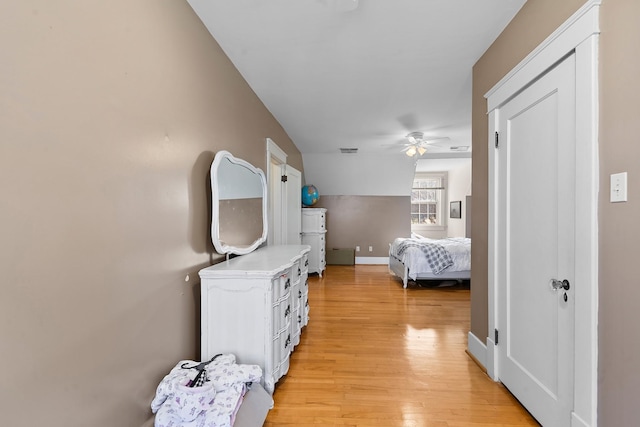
255,306
313,234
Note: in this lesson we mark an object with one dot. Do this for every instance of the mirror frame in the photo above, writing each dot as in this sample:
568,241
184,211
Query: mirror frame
222,247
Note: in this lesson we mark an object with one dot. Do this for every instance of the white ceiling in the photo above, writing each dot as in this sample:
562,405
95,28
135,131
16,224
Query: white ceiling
360,73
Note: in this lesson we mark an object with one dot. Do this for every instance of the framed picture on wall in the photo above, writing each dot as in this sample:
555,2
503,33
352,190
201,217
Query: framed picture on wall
455,209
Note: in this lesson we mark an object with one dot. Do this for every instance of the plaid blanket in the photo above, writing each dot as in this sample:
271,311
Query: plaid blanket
437,256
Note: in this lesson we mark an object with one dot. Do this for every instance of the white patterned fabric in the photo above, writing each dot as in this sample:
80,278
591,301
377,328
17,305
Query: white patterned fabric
437,257
459,248
214,404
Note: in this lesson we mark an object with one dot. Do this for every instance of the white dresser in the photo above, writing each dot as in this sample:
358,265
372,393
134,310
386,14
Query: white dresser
314,230
255,306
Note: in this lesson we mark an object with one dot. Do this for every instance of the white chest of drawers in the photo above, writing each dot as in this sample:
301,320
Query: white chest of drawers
255,306
314,230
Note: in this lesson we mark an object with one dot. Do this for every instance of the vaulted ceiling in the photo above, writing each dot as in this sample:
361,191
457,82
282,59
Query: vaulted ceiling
360,73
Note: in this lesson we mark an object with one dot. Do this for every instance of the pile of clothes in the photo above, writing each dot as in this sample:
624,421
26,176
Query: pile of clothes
203,394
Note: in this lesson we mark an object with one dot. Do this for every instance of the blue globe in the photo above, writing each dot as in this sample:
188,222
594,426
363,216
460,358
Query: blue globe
310,195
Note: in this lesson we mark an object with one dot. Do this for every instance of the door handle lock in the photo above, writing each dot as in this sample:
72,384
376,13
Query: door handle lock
560,284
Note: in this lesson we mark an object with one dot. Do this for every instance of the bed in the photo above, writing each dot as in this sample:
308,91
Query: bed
421,258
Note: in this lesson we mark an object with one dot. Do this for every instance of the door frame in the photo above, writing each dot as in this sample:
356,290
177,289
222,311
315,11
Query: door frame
283,197
579,34
293,215
276,158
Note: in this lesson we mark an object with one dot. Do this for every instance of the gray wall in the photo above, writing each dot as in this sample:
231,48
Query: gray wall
366,221
619,294
359,220
110,114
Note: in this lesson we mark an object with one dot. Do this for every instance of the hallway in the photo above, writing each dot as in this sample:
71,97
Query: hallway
375,354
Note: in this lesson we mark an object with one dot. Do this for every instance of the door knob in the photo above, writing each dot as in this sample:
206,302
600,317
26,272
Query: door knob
560,284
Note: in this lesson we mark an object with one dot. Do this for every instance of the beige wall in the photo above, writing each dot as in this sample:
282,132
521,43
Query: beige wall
366,221
110,115
619,228
535,21
618,375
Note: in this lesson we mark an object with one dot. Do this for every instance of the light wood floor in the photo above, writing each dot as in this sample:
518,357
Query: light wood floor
375,354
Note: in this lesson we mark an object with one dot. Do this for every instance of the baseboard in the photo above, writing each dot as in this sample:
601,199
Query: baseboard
380,260
491,360
477,350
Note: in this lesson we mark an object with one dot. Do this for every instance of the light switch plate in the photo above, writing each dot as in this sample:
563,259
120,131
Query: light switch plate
619,187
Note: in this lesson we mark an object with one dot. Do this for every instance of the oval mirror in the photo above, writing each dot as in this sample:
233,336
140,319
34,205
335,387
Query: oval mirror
239,204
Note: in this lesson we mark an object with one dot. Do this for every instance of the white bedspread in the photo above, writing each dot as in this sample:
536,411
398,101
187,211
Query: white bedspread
458,247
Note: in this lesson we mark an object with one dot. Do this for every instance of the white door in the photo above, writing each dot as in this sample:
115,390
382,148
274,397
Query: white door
535,244
285,204
274,236
293,206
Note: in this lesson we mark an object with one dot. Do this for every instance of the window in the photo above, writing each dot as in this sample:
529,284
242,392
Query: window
427,200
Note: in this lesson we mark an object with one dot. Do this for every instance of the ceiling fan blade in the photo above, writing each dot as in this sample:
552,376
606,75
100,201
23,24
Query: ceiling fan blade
415,143
396,147
435,139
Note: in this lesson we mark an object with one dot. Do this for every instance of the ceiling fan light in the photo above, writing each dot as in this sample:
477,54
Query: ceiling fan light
415,137
411,151
422,150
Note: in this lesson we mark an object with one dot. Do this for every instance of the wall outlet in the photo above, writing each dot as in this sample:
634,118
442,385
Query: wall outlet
370,248
357,248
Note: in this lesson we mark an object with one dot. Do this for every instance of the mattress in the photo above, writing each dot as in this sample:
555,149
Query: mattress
413,257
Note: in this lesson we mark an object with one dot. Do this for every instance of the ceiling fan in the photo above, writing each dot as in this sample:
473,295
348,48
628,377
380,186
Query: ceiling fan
417,144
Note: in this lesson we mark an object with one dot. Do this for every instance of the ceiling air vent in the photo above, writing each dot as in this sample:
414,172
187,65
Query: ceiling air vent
459,148
348,150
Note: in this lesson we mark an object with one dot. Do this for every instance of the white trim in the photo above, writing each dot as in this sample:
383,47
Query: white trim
442,205
276,162
576,421
580,34
372,260
276,152
492,295
570,34
477,349
492,360
586,220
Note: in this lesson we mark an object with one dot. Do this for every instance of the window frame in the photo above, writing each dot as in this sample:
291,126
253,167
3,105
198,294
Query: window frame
441,212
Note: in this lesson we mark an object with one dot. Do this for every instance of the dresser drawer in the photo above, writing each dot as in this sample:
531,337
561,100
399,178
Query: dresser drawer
281,285
250,307
282,313
313,220
281,351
